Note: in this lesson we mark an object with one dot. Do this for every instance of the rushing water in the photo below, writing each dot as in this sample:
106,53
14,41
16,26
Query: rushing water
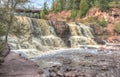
30,33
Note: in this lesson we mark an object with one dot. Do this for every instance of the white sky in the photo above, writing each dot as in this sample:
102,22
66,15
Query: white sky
39,3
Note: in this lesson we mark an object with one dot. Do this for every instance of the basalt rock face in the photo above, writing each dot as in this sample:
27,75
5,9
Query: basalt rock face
30,33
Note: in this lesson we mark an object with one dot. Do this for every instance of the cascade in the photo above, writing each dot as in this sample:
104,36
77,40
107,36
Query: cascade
80,34
30,33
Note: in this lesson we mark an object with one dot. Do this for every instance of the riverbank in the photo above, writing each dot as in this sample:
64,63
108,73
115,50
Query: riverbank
16,66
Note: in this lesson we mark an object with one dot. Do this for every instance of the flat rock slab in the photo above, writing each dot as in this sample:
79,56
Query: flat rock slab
16,66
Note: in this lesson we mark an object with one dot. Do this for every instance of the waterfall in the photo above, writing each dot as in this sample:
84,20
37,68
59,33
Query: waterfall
30,33
80,34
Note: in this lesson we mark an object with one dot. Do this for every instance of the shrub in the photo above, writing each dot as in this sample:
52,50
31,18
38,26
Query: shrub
35,15
73,14
117,27
102,22
42,14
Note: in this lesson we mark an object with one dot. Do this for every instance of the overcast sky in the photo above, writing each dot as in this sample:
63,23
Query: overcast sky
39,3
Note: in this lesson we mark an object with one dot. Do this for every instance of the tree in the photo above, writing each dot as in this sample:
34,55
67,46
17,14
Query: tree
59,6
103,5
84,6
7,15
45,8
68,4
74,5
54,5
117,1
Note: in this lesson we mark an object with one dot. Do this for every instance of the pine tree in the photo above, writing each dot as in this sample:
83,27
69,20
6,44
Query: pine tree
73,14
103,5
84,6
74,6
68,4
53,5
59,7
45,8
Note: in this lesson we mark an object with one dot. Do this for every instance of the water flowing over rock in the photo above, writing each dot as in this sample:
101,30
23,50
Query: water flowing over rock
30,33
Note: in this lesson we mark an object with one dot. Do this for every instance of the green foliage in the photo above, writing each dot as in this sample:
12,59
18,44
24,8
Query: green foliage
68,4
103,5
59,7
81,5
117,27
42,14
102,22
84,6
45,8
73,14
53,6
2,31
74,5
7,10
35,15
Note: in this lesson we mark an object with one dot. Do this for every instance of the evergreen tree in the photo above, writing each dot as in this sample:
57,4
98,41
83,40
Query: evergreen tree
103,22
54,5
103,4
45,8
74,6
73,14
59,7
84,6
68,4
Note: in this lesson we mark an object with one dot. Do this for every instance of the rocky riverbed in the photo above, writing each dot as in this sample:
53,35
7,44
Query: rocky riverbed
80,63
64,63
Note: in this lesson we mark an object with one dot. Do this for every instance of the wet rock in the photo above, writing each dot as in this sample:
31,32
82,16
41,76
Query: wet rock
51,69
60,73
40,71
104,68
1,60
68,74
53,74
